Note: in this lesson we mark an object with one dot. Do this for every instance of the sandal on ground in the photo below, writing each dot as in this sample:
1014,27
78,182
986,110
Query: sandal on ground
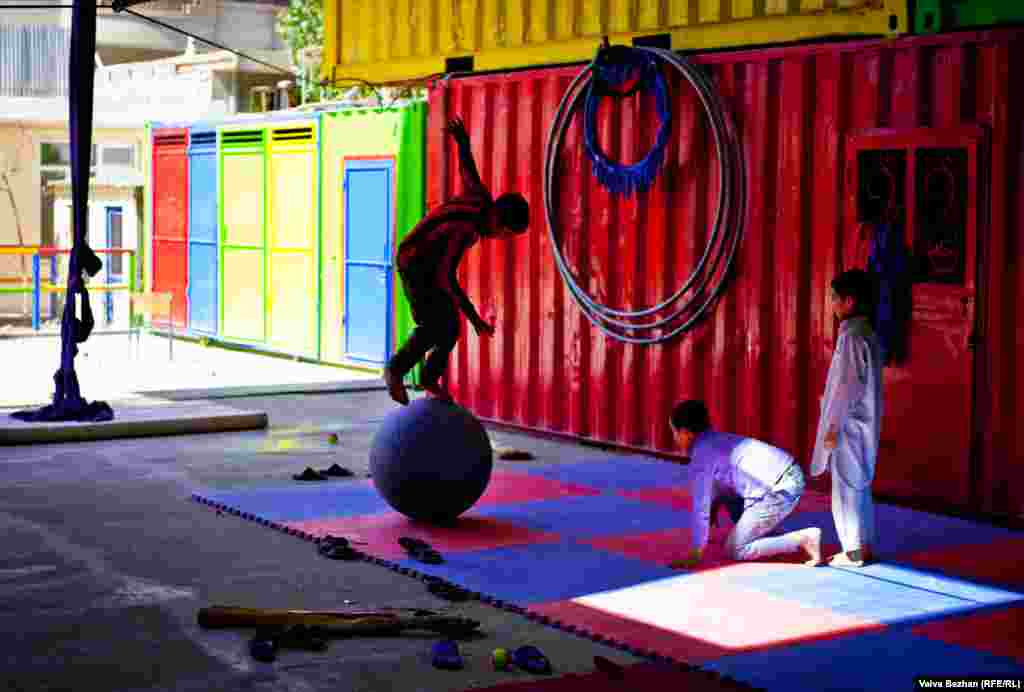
336,471
449,592
609,668
336,548
309,475
530,659
420,550
446,656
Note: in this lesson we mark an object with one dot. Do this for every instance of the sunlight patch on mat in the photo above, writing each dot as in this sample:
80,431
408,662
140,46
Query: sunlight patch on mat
704,606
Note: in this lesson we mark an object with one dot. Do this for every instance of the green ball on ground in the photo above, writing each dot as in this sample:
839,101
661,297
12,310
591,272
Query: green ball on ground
500,659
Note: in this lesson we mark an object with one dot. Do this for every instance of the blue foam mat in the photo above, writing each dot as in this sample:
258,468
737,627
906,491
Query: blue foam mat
902,531
628,473
541,573
295,502
591,516
886,661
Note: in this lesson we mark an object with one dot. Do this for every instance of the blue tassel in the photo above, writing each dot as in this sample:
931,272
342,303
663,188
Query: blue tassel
617,178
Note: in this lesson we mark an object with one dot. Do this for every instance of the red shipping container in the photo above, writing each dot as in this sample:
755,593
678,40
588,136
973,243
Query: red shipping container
170,218
809,119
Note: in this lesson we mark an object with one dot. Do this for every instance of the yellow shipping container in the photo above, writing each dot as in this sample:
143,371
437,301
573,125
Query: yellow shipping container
391,40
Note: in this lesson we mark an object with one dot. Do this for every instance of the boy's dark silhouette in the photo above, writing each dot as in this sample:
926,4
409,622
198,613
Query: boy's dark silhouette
428,259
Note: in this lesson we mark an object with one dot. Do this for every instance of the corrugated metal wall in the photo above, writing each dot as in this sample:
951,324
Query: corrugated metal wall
34,61
761,360
404,39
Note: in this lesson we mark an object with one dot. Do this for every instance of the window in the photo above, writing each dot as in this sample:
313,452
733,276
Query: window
118,155
55,161
55,166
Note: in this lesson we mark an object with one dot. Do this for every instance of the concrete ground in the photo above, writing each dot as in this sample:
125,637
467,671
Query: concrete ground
106,561
146,367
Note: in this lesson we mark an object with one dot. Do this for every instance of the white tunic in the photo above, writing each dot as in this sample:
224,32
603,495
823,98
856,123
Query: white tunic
731,465
852,406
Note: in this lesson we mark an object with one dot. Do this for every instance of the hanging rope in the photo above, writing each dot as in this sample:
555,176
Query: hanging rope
68,403
709,278
611,68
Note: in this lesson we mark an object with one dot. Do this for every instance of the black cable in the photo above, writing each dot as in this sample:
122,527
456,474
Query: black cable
731,208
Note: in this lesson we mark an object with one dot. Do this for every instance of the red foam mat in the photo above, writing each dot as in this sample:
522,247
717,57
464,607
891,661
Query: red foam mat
638,677
1000,632
380,533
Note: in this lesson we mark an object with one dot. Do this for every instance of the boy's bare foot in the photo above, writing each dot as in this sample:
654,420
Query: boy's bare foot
435,391
853,558
810,541
395,387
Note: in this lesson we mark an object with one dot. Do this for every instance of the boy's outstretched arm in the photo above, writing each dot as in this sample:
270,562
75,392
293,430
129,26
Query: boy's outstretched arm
467,166
461,299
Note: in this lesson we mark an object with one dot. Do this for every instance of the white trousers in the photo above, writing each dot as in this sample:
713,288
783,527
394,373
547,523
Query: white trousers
854,513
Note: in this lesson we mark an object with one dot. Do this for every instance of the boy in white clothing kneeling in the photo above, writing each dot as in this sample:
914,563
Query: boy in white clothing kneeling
731,469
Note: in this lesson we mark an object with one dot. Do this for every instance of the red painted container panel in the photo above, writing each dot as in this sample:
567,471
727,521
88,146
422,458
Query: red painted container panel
760,361
170,218
170,274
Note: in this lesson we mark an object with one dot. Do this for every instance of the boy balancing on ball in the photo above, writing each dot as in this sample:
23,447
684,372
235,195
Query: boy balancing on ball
733,470
427,261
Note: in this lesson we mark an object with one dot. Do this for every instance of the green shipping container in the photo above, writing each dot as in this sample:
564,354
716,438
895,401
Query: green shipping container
932,16
372,196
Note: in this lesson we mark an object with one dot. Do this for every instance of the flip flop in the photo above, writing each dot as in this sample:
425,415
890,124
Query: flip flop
336,548
446,655
530,659
420,550
512,454
609,668
336,471
309,475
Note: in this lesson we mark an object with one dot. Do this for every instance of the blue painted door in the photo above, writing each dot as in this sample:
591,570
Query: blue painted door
369,222
203,279
114,261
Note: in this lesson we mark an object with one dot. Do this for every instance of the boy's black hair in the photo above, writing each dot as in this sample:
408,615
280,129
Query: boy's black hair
691,415
513,211
856,284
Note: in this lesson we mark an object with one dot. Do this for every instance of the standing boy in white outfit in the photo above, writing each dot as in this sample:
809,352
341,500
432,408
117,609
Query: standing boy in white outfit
731,468
851,419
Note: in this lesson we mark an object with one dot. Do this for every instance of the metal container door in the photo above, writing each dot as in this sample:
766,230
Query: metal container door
202,246
170,219
369,221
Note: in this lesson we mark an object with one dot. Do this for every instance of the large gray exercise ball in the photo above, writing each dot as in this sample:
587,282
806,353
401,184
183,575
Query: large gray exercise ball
431,460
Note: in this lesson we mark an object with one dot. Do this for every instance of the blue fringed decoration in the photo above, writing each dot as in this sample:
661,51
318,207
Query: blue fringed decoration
617,178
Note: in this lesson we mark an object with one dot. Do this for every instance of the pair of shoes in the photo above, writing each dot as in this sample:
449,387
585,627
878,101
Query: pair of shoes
447,591
336,548
396,388
420,550
311,474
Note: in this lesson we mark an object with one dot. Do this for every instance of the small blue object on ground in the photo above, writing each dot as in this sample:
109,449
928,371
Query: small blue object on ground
446,655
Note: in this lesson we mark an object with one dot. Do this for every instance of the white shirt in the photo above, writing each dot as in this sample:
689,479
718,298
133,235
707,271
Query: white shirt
852,406
725,464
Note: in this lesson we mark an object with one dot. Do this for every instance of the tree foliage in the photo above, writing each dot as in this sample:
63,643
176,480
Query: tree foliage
301,25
